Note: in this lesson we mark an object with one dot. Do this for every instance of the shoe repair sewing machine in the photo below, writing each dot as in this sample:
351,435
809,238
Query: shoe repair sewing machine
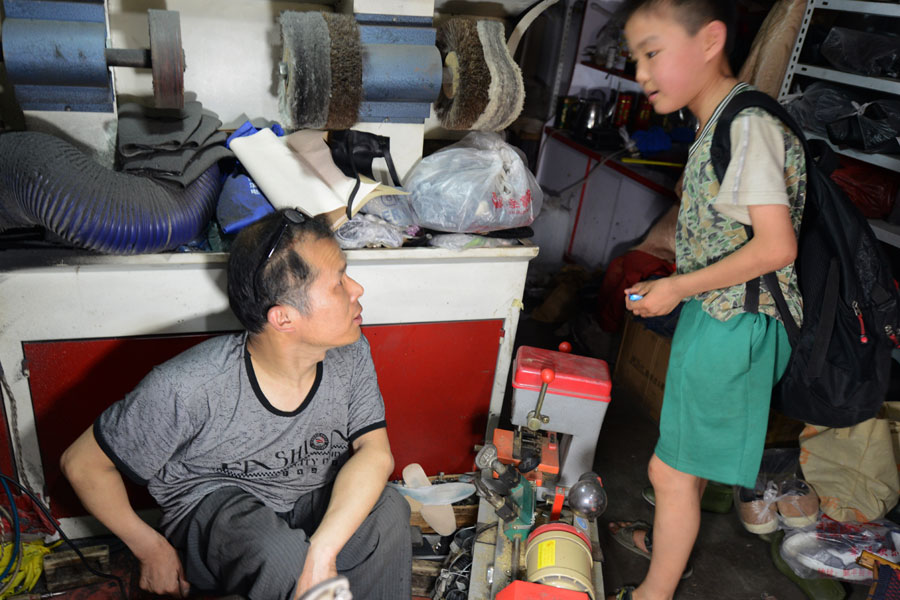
559,401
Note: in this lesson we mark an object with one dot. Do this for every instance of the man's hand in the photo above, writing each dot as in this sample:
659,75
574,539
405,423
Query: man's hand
161,570
660,297
316,569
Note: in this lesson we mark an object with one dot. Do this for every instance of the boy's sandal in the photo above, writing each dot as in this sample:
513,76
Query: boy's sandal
624,593
625,537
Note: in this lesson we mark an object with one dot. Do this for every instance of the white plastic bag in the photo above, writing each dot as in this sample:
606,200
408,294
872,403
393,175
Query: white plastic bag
369,231
478,184
832,547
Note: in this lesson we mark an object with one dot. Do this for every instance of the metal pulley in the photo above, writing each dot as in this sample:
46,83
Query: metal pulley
165,57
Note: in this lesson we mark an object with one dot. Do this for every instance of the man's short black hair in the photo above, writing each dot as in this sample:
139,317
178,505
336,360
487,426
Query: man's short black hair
692,14
255,283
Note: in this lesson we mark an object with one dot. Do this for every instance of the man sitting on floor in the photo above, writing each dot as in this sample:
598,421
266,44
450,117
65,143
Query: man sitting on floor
267,450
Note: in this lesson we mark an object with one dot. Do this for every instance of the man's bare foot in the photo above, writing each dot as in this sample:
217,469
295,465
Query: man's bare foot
638,535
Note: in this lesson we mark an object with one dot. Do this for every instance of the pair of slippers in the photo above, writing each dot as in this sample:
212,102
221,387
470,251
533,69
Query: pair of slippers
624,536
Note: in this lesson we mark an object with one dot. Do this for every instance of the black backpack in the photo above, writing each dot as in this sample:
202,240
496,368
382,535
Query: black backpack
840,364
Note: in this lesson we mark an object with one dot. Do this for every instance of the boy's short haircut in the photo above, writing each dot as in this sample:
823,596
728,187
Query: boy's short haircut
692,14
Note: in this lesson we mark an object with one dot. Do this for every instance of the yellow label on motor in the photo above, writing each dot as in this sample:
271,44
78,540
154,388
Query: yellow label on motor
546,554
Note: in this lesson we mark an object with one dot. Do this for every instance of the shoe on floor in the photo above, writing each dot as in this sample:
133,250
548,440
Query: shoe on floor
624,536
798,503
758,514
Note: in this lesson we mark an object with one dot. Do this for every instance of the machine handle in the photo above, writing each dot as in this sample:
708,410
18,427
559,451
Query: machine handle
565,347
547,376
535,419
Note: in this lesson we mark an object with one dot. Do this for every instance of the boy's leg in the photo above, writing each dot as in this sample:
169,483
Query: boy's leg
675,525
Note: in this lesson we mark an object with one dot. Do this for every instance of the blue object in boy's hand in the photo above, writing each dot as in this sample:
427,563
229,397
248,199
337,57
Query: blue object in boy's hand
634,297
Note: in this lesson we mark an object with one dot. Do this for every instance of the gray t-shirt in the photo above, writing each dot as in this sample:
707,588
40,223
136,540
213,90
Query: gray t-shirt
200,422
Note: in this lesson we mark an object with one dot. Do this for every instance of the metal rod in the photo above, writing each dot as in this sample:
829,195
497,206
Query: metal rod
125,57
514,559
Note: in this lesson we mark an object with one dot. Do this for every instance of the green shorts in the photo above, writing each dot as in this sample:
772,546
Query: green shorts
718,387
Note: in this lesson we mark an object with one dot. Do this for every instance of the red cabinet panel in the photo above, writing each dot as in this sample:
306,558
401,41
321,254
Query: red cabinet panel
436,379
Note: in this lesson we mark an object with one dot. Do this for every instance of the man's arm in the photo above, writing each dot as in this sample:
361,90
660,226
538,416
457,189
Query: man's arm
773,246
101,489
356,489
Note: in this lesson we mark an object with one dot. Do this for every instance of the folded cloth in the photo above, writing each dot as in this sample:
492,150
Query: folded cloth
209,125
174,162
143,129
202,161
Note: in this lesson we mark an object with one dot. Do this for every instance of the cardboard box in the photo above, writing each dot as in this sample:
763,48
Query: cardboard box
641,366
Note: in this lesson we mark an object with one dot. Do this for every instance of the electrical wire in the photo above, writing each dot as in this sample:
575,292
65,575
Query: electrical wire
12,557
5,478
14,418
17,544
559,193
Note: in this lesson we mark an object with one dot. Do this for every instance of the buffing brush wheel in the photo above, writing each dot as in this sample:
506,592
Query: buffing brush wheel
483,86
322,70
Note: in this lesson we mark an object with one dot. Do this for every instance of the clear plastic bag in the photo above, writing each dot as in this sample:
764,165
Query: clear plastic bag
478,184
831,548
780,499
394,209
369,231
870,54
465,241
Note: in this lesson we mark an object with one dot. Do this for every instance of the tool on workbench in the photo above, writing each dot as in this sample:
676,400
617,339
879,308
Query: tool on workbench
558,404
512,497
559,401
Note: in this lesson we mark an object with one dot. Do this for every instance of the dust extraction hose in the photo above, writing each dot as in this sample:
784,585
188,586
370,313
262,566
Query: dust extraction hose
46,181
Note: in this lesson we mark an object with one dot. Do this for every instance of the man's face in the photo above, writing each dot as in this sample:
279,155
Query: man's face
333,314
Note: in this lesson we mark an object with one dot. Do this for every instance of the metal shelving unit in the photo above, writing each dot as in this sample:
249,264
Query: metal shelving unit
886,232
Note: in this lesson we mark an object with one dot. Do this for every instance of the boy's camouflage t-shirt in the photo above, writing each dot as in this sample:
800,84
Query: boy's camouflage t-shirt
704,235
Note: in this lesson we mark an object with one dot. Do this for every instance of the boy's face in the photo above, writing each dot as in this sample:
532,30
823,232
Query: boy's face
668,58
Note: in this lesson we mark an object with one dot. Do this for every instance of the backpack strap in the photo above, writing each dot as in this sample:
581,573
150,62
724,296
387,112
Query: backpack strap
720,152
826,320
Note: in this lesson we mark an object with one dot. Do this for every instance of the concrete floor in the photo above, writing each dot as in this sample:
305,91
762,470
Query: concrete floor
729,562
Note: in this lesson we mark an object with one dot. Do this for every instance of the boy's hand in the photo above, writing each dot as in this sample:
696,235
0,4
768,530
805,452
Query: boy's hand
660,297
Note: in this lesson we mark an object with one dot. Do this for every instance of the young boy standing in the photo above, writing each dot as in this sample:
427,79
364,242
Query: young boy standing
725,360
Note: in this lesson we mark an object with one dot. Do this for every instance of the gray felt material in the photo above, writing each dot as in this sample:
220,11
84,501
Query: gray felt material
172,163
202,161
142,129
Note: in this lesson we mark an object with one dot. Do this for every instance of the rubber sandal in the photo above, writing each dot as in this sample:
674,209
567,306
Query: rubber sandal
625,537
624,593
